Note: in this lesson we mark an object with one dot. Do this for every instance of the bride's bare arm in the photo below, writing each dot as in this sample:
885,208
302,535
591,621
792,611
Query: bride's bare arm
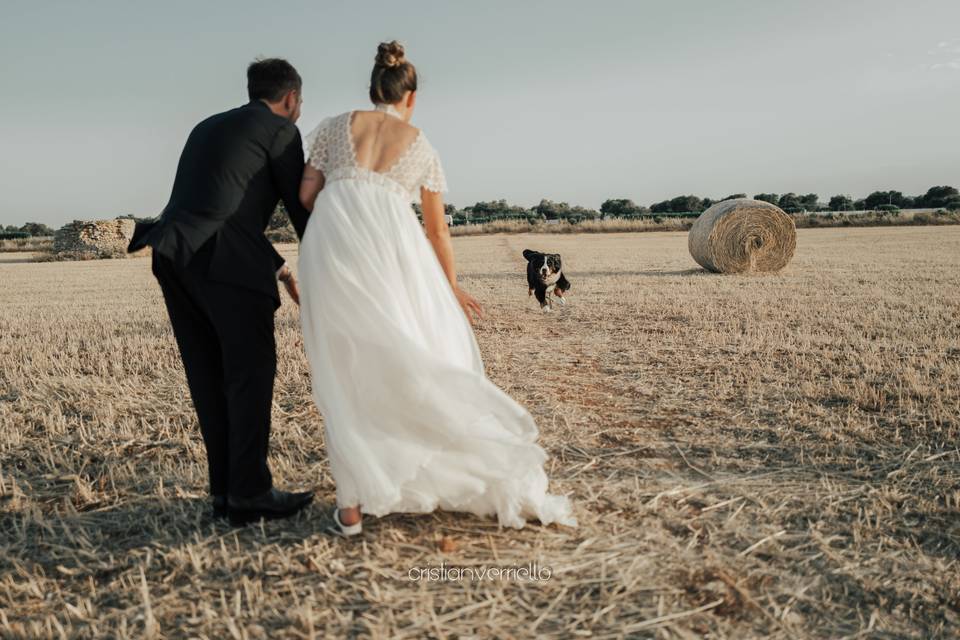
438,233
311,184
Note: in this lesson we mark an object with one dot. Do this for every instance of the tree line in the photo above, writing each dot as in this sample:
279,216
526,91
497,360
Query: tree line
939,197
28,230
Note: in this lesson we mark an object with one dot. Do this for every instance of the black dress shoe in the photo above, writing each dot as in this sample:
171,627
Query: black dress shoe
219,506
270,505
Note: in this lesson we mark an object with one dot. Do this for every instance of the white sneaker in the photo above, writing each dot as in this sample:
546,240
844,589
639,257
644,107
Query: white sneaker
347,529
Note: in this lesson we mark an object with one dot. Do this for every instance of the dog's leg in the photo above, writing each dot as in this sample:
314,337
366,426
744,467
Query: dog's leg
562,285
543,299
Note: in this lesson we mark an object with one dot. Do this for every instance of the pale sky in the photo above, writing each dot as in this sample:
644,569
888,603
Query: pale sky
572,101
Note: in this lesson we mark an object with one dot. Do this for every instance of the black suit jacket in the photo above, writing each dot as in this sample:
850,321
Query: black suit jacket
234,168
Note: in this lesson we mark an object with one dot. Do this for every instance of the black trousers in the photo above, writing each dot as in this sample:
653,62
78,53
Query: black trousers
226,338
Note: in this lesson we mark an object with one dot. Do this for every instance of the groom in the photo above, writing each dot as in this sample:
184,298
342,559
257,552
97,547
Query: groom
219,273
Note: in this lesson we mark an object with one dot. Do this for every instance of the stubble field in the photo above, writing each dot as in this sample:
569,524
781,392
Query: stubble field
762,456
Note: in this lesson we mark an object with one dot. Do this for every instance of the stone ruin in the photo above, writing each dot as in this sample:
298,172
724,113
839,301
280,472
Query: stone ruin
89,239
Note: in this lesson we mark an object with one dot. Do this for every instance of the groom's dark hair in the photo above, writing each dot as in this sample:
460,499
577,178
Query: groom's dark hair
271,78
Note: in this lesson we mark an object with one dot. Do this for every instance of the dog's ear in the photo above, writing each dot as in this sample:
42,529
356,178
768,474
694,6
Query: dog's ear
529,255
563,284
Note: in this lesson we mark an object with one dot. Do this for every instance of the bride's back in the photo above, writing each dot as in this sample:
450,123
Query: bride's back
377,145
379,140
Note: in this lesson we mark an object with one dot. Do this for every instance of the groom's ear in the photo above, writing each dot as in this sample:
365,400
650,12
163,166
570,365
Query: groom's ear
291,104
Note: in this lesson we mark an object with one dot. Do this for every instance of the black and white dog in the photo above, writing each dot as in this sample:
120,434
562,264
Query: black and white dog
545,276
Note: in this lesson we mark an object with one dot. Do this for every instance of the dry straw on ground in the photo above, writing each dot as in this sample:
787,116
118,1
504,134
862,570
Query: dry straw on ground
743,236
751,457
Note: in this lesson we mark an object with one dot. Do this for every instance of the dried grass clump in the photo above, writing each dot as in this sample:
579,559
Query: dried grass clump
743,236
26,245
93,239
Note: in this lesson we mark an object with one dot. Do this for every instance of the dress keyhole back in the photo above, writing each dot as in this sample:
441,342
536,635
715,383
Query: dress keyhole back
381,145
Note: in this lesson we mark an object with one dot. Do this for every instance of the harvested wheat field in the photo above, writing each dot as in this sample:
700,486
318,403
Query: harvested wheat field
749,456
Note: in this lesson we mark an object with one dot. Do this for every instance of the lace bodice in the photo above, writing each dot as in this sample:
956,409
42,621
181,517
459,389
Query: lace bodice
330,150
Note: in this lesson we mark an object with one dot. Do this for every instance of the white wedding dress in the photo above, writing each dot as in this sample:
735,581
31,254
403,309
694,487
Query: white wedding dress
411,421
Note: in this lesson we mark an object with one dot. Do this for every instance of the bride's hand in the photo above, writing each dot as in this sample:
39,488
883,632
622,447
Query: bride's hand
469,304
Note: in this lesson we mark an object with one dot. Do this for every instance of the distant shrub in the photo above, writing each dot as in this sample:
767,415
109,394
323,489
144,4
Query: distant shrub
13,235
37,229
888,208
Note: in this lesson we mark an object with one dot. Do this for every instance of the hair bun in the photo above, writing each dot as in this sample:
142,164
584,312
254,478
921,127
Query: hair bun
392,76
390,54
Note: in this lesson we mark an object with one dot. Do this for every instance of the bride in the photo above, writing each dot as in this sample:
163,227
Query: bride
411,421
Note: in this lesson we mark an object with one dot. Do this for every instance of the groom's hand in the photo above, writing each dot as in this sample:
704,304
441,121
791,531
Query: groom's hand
290,283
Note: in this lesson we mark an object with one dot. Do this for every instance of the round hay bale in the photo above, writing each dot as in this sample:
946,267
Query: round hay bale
742,236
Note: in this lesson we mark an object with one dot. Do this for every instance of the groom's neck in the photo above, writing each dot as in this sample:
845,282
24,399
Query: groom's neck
276,107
